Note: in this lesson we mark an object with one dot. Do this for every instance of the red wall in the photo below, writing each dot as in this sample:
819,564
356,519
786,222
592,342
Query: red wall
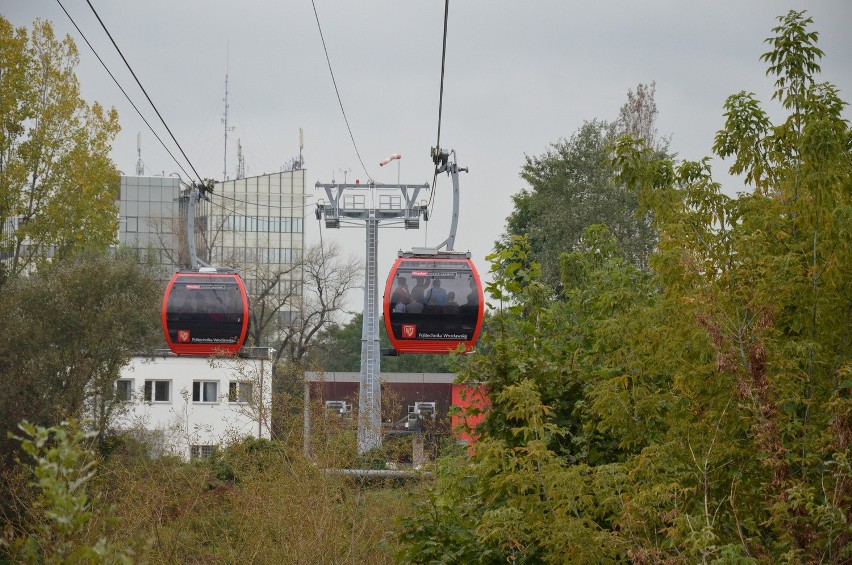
396,397
473,401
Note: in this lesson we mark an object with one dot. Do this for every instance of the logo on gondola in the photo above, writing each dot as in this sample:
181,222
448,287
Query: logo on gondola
409,331
419,273
183,336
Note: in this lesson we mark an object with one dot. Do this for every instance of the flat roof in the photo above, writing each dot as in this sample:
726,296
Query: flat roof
352,377
245,353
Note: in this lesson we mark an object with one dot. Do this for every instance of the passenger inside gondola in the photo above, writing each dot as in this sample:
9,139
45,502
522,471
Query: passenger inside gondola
473,297
418,293
436,296
451,307
401,297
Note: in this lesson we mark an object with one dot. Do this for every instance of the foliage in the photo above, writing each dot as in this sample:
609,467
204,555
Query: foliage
62,467
573,185
700,412
766,276
69,329
255,501
57,184
339,349
261,453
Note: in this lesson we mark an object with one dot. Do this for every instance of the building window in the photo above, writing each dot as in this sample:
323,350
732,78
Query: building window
205,391
157,391
201,451
124,390
239,392
132,224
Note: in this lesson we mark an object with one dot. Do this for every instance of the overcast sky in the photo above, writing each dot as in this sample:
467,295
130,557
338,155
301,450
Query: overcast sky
519,76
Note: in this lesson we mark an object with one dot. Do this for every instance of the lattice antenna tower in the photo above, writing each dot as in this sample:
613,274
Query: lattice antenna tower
241,161
140,166
225,117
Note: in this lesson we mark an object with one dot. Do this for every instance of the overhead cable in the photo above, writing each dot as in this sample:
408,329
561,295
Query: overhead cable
258,204
443,61
83,35
145,92
440,102
339,100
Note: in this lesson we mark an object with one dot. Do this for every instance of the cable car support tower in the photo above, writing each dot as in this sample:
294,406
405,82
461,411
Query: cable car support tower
342,207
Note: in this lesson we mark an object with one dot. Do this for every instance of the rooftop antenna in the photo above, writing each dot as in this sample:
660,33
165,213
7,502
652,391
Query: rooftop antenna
225,118
241,162
301,146
140,166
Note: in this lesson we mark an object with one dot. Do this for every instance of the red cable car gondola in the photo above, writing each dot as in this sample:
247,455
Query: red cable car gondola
205,313
433,303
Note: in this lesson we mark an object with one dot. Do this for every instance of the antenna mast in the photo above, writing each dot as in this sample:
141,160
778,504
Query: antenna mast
241,161
225,118
301,147
140,166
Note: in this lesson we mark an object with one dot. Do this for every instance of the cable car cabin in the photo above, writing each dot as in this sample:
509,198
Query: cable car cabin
433,303
205,313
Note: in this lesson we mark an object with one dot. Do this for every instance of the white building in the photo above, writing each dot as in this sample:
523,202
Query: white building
189,406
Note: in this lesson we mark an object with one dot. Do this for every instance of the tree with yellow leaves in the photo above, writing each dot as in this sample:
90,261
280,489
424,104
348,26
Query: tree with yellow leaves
58,186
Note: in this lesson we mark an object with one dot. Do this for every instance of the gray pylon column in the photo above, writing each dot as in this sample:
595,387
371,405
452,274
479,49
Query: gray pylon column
370,396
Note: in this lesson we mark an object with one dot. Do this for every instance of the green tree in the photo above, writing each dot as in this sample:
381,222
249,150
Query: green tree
62,466
708,401
58,186
766,277
573,185
339,349
70,328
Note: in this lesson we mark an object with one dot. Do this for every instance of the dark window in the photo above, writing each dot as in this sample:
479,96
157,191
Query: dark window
157,391
124,390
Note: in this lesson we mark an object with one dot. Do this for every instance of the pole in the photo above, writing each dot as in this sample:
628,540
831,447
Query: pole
370,396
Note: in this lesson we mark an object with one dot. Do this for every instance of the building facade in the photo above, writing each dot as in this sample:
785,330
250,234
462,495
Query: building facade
190,406
427,404
257,225
149,219
254,225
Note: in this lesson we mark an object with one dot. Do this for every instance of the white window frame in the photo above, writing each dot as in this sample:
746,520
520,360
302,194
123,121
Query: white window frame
240,392
152,397
200,392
